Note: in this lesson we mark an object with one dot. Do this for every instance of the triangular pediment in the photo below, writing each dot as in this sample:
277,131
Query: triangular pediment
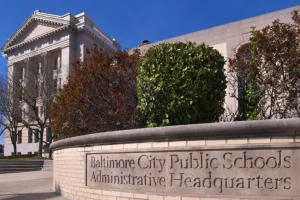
37,25
33,30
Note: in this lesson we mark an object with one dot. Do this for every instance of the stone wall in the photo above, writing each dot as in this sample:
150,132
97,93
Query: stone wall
70,155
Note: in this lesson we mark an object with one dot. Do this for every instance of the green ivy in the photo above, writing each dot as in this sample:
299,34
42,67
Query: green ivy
248,100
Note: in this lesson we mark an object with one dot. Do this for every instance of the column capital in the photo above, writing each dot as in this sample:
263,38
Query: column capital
26,60
44,53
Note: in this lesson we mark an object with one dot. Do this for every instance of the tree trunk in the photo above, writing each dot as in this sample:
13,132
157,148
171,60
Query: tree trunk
50,152
14,143
40,153
15,150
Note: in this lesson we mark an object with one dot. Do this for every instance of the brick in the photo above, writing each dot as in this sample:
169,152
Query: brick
282,139
113,193
97,148
105,192
177,144
102,197
196,143
160,144
189,198
259,140
155,197
111,198
144,145
130,146
94,196
122,198
126,194
118,146
215,142
209,199
172,198
140,196
88,149
237,141
106,147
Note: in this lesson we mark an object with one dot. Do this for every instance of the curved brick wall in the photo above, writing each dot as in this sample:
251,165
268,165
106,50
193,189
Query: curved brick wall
70,157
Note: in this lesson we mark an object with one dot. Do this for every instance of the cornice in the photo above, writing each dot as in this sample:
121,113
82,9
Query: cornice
212,131
60,44
98,37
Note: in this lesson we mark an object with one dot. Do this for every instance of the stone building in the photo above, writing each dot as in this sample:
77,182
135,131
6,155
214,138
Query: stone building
228,38
44,47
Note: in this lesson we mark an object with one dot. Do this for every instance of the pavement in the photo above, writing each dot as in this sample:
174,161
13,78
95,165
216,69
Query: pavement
36,185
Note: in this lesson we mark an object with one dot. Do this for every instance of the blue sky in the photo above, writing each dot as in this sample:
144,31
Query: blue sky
132,21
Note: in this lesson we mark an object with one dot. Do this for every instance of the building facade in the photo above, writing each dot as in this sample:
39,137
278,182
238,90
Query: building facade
228,38
43,49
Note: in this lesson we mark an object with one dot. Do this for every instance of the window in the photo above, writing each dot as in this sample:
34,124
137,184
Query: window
30,135
41,111
40,68
19,137
48,135
293,97
55,85
23,72
36,132
59,83
95,45
40,90
23,113
55,63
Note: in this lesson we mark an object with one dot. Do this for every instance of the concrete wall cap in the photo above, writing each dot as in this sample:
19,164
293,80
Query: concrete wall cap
243,129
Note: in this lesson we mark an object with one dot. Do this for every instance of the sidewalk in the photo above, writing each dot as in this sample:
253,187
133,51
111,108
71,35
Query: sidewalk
35,185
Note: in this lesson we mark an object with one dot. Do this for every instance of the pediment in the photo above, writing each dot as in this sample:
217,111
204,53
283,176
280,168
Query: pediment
36,26
33,30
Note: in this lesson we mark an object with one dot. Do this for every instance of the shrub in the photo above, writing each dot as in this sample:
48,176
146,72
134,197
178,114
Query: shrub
181,83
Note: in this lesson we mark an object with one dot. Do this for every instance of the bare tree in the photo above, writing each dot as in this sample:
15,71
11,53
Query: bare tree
9,119
34,87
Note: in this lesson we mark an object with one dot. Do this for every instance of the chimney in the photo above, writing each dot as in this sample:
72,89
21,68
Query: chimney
144,43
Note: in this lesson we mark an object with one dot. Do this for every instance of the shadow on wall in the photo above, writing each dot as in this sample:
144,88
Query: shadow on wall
32,196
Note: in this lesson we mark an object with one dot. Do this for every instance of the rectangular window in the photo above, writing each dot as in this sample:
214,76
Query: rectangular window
23,72
48,135
55,64
55,85
30,135
40,90
59,83
95,45
41,110
19,137
40,68
36,132
23,113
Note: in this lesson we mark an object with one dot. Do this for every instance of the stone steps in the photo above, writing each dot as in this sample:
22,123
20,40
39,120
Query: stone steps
13,166
48,165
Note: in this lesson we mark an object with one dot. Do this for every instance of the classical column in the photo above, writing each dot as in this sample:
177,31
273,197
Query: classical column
67,56
65,64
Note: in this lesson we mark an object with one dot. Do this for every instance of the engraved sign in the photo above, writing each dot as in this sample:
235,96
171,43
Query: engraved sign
264,172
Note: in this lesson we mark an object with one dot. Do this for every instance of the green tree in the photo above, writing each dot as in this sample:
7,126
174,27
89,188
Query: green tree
267,72
181,83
